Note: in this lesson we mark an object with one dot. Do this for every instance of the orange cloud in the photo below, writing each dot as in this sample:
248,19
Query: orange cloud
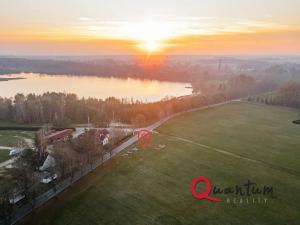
264,42
260,42
65,46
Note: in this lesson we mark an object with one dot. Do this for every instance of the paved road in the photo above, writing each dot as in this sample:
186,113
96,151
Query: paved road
159,123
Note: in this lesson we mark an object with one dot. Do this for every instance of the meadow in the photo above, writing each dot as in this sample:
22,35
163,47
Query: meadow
11,138
4,155
229,144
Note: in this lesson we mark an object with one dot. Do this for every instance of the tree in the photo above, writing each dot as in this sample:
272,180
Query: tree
6,208
289,94
5,109
20,108
23,171
139,120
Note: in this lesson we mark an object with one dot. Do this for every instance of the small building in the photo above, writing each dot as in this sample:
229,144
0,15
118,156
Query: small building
48,163
62,135
103,137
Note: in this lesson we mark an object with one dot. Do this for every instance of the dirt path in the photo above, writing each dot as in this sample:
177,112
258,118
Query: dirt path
5,148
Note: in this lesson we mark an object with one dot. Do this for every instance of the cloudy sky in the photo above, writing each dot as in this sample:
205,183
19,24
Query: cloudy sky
158,26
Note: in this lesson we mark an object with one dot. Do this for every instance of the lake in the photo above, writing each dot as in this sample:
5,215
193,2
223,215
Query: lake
92,86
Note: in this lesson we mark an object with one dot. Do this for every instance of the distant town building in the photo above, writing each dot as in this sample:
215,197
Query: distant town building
103,136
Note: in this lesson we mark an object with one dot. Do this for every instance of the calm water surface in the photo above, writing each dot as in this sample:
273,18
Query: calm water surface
91,86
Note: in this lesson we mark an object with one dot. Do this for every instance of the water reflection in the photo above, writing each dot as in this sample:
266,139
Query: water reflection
91,86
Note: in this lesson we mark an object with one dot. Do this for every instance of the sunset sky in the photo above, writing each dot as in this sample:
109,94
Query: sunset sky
66,27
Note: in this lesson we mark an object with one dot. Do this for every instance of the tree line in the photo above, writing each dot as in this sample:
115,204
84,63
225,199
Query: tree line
288,94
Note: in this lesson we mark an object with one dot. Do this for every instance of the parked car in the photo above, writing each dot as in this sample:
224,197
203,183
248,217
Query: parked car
16,198
47,178
15,152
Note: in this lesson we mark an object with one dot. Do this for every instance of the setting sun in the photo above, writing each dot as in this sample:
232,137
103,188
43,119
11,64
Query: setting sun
151,46
151,35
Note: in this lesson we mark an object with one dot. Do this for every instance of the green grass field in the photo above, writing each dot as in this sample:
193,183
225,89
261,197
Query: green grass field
4,155
229,144
10,138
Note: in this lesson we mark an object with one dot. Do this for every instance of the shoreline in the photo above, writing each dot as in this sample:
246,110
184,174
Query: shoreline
9,79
